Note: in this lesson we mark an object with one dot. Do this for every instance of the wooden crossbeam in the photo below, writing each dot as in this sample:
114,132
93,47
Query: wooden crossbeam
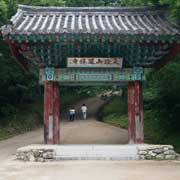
71,76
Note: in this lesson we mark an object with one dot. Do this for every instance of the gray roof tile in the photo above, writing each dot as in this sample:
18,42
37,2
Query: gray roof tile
54,20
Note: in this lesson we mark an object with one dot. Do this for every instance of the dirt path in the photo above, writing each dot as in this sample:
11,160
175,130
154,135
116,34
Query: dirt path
87,131
80,132
91,170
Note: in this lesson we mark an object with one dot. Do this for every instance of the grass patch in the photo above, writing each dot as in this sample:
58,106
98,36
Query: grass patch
121,121
5,134
116,105
154,133
115,112
26,119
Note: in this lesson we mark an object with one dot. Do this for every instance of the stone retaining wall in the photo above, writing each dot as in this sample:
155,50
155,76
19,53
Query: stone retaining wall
43,153
156,152
36,155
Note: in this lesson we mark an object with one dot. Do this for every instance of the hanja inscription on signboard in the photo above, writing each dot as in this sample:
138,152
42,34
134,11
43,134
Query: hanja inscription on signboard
78,62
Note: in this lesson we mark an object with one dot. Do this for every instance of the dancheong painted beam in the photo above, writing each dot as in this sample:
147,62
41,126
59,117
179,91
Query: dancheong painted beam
91,75
47,36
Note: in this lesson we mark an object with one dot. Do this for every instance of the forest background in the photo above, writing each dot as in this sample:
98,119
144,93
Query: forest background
20,91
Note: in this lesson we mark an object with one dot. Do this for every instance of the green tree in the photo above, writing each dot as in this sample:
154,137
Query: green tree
136,2
45,2
84,3
3,12
174,6
163,91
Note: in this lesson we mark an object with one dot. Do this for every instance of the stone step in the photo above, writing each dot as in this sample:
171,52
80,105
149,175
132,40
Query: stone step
97,152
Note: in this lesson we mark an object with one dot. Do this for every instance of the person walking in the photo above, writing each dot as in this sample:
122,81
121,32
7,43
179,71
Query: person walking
72,113
84,111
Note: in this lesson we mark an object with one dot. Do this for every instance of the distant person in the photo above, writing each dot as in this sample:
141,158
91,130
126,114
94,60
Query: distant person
84,111
72,113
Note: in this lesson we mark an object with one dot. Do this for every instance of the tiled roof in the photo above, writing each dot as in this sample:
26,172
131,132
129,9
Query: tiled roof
105,20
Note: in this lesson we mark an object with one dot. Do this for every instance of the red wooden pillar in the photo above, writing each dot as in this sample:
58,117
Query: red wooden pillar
131,113
135,112
51,113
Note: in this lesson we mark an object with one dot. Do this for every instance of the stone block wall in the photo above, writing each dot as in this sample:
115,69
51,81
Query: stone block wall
36,155
156,152
43,153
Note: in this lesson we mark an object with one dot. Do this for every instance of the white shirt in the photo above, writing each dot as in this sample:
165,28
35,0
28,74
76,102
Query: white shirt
83,109
72,111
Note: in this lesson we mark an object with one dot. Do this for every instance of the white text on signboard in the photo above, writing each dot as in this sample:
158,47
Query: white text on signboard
94,62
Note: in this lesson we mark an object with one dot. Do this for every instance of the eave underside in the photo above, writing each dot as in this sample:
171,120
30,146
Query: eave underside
49,52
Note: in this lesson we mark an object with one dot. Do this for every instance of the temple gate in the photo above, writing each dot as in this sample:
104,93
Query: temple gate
92,46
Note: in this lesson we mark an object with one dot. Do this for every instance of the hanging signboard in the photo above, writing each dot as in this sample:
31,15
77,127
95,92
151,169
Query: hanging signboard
94,62
92,75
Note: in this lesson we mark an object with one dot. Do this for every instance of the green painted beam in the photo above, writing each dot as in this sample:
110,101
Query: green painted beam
134,50
94,38
91,75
